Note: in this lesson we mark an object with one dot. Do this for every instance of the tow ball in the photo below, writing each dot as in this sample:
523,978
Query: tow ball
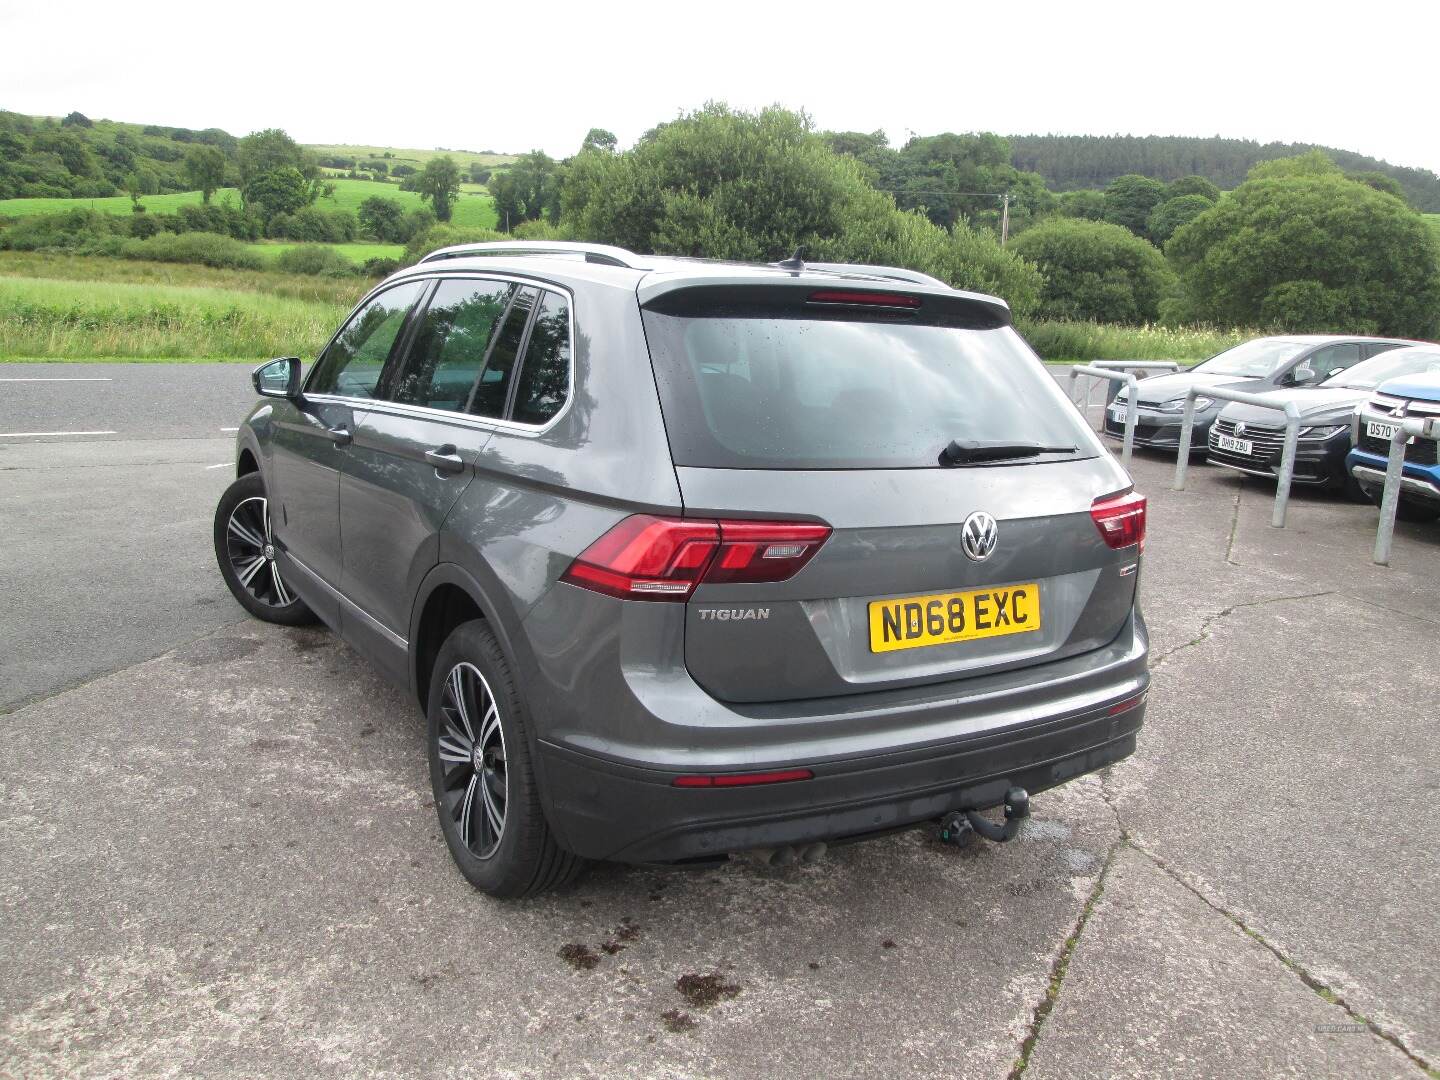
959,827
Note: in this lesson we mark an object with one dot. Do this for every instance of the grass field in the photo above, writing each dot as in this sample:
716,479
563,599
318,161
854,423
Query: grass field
356,253
70,307
1081,342
475,210
411,156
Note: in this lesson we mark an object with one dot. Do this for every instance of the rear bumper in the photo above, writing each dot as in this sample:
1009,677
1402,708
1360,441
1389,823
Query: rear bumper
608,807
610,812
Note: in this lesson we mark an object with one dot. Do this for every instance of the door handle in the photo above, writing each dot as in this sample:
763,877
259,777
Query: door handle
340,436
445,459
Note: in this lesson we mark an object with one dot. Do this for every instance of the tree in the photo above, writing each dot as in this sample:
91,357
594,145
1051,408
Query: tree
1193,185
265,151
1084,203
599,139
1380,182
77,119
1309,251
948,177
1310,163
205,170
528,190
755,186
138,183
1095,271
384,219
479,174
1129,200
279,191
1172,213
439,182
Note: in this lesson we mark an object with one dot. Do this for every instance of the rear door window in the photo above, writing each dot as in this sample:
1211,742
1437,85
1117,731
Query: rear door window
545,374
493,388
798,388
450,344
352,363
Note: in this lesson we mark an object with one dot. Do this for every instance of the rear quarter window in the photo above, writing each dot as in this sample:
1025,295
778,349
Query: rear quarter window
772,389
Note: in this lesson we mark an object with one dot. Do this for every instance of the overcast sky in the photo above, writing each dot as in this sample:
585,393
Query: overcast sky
489,76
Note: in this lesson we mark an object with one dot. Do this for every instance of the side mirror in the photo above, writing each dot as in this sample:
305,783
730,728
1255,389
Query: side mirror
278,378
1299,376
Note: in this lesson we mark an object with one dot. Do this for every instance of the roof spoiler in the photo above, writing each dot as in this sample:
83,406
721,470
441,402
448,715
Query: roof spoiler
892,273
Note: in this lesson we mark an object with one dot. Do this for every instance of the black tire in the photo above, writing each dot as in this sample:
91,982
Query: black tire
521,857
1416,512
1351,490
246,556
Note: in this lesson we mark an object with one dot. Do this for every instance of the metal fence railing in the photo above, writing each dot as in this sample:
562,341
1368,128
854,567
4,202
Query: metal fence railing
1148,367
1116,371
1132,408
1414,427
1287,457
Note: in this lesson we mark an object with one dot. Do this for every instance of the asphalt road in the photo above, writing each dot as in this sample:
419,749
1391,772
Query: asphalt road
108,476
218,854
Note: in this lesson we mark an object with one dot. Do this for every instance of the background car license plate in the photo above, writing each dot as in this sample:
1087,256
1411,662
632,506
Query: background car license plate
1239,446
909,622
1381,431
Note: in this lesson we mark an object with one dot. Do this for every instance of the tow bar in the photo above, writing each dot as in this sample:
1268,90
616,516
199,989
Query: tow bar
959,826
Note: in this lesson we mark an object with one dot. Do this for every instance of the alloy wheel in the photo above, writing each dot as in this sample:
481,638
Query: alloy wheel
475,785
250,548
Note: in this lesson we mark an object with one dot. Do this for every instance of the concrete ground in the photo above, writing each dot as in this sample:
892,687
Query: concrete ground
218,854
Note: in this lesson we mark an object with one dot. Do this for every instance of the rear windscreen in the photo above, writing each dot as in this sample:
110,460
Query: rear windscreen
847,390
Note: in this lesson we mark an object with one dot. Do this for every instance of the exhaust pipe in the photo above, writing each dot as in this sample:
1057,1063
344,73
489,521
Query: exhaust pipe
786,855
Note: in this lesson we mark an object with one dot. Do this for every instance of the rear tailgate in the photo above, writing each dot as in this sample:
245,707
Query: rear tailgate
781,409
897,544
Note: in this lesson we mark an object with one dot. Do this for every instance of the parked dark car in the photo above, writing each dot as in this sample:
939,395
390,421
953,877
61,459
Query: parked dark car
1250,439
1254,366
683,559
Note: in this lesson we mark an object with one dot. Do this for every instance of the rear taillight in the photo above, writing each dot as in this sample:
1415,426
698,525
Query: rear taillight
655,558
1121,520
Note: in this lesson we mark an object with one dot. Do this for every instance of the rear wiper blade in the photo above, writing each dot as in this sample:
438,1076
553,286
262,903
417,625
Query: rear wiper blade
974,452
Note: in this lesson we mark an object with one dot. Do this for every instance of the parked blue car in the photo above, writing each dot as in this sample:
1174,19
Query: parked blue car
1409,396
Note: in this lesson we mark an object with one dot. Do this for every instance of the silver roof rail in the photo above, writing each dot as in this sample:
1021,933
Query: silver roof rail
595,253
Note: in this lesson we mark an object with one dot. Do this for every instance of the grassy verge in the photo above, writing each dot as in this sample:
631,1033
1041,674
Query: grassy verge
356,253
163,312
1080,342
344,291
471,210
78,307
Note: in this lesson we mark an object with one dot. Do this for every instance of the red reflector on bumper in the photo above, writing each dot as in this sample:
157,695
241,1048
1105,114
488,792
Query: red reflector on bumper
1126,705
780,776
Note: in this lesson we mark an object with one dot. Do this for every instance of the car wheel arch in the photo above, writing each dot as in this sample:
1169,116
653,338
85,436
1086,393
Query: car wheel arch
448,596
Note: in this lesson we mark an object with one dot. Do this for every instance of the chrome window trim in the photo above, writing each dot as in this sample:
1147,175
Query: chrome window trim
424,412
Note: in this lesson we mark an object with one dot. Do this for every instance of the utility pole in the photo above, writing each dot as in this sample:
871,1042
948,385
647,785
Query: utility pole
1004,218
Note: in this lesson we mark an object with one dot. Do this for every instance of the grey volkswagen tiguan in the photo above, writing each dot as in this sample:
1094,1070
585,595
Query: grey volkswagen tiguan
683,559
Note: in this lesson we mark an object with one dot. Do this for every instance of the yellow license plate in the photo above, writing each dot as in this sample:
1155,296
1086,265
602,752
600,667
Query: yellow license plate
909,622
